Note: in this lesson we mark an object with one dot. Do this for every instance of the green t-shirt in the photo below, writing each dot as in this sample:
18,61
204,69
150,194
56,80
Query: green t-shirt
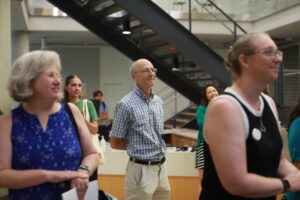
200,114
91,108
294,149
1,112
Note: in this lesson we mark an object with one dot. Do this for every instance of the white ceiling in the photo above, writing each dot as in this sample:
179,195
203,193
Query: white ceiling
289,32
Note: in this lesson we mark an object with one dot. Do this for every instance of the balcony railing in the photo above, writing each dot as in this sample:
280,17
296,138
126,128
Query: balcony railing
246,10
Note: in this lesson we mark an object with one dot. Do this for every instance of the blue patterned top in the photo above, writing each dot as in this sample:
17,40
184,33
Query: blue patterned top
140,122
57,148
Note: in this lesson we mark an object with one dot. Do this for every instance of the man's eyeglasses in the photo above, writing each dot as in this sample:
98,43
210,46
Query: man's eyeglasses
269,52
147,70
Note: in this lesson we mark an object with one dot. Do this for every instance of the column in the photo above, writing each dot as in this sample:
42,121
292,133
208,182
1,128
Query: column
19,44
5,48
5,63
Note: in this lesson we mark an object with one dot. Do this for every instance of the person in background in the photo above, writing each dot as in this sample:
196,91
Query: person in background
102,111
1,113
137,127
100,105
72,91
208,93
41,154
293,128
243,146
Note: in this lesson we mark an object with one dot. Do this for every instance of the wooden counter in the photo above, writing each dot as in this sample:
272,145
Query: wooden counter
183,177
180,137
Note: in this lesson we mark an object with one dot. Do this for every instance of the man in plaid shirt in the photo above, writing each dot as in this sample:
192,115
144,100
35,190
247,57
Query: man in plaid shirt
138,123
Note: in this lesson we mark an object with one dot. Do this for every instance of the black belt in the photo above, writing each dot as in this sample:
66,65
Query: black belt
148,162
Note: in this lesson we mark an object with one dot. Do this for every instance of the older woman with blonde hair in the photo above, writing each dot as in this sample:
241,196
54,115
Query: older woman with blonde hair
243,146
41,153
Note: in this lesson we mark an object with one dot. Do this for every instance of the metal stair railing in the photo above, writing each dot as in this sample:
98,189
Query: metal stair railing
169,96
155,36
235,24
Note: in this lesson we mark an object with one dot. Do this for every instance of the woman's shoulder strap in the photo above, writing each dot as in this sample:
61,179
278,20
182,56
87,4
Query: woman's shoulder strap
68,109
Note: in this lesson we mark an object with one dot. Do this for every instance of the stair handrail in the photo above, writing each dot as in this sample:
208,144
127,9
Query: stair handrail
207,10
166,94
162,90
173,98
169,92
227,16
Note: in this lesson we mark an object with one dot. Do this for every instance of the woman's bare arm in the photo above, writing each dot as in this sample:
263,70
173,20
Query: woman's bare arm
224,131
89,153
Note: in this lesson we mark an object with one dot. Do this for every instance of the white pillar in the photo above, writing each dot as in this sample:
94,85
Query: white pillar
20,44
5,62
5,50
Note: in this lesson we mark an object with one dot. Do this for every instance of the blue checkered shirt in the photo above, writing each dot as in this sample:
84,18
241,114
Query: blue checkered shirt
140,122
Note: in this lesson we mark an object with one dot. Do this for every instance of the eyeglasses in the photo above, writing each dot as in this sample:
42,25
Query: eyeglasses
269,52
147,70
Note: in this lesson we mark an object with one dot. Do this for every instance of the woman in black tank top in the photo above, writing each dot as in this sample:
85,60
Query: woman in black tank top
243,146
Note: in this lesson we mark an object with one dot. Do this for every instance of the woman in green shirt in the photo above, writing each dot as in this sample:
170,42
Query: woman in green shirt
72,91
208,93
293,128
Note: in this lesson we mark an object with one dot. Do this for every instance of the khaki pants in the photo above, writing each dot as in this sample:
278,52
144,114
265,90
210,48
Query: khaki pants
146,182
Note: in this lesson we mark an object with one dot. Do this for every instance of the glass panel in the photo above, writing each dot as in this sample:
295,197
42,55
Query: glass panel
219,36
39,4
240,10
249,10
43,8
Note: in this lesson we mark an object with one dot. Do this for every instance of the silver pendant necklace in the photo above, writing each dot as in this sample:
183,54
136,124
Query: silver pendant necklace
262,127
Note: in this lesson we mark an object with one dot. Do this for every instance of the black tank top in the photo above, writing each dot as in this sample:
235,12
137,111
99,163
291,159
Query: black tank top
263,154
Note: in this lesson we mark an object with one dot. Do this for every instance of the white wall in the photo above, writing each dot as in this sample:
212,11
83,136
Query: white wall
82,61
115,81
107,69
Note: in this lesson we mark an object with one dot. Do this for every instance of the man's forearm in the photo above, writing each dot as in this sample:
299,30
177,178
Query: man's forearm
118,143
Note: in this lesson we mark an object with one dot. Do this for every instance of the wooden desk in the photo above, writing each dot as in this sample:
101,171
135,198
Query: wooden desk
180,137
183,177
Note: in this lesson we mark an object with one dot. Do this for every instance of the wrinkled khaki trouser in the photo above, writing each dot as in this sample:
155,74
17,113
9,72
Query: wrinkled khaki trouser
146,182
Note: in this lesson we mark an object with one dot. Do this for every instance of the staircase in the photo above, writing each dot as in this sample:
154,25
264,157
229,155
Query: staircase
183,61
184,119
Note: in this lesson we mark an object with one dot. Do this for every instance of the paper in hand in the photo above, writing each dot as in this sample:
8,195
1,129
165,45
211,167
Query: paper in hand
91,194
